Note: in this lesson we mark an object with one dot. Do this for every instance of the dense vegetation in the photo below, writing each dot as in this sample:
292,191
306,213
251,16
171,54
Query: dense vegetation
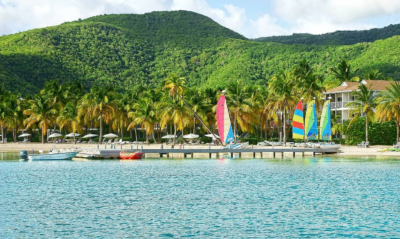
257,111
336,38
130,50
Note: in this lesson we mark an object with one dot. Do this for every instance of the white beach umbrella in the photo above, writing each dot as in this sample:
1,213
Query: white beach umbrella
168,136
212,136
24,135
55,135
89,136
110,136
72,135
190,136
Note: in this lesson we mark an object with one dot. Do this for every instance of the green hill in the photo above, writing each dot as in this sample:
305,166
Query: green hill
126,50
336,38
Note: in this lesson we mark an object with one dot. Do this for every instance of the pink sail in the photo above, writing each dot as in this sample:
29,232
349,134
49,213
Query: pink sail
223,121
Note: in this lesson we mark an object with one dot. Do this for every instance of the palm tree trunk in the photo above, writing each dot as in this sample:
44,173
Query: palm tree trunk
284,127
174,134
266,129
397,126
101,128
147,138
74,137
136,134
194,125
42,135
154,138
366,128
2,134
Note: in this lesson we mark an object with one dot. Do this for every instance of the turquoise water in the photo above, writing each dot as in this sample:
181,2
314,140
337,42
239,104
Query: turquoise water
290,198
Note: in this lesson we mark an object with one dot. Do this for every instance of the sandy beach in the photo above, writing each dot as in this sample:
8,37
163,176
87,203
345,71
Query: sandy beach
345,150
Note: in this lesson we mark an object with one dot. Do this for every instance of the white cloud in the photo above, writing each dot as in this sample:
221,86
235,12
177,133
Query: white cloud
316,16
266,26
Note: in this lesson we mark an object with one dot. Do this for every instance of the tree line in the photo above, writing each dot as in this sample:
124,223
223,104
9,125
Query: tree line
254,109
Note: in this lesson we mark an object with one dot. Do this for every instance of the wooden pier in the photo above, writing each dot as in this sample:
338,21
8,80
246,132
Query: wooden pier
190,152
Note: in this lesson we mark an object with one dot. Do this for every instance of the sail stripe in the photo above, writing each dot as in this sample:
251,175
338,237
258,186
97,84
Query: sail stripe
297,125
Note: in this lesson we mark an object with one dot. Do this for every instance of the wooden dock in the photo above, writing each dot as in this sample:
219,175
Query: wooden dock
254,151
114,153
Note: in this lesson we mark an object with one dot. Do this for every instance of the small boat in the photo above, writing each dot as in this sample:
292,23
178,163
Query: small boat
52,155
130,155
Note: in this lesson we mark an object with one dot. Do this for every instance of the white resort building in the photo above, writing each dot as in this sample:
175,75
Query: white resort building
341,95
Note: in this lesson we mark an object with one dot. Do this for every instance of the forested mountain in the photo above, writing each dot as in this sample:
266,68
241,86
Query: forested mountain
336,38
127,50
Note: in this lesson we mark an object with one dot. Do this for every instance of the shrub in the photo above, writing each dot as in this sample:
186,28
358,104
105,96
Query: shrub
383,133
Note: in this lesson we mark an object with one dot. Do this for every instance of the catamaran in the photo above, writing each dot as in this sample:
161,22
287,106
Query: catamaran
224,125
309,130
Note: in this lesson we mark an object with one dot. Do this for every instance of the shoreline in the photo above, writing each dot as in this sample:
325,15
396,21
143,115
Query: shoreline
345,150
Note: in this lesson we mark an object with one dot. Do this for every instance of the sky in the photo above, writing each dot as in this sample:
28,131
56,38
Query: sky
251,18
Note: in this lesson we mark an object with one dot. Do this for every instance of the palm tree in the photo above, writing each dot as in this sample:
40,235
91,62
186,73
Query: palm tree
176,88
374,75
16,116
173,111
282,97
69,118
144,113
343,72
42,111
4,114
240,106
364,104
309,84
100,103
389,105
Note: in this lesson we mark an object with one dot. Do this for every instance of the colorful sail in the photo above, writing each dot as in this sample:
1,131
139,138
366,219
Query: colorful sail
298,125
224,122
311,121
326,133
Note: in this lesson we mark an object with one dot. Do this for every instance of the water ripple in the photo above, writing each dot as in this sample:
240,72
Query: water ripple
330,198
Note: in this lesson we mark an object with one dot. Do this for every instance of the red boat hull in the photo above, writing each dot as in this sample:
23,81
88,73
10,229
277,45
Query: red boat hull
129,155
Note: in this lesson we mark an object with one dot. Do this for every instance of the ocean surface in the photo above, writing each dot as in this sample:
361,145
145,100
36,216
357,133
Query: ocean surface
318,197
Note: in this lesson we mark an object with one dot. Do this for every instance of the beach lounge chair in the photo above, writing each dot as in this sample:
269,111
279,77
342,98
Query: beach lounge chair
366,144
169,141
121,142
197,142
109,141
396,145
361,145
26,140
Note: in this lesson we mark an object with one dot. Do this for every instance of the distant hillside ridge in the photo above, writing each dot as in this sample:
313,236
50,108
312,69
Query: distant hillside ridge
336,38
159,27
128,50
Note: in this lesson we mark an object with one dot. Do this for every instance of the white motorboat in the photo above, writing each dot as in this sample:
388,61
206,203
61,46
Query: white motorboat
52,155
